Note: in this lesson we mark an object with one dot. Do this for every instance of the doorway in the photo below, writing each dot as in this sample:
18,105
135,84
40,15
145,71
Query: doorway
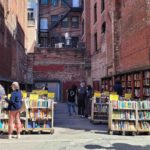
53,86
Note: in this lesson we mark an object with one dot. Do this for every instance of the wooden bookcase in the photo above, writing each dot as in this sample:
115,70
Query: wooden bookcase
107,84
99,111
37,117
129,116
137,83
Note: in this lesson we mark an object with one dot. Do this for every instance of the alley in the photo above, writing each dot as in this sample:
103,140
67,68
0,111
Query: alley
74,133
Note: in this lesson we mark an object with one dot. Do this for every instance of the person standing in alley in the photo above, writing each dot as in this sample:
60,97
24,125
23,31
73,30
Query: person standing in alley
71,99
89,94
14,106
81,99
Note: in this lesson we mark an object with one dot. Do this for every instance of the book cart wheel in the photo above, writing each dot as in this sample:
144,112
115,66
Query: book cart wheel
110,132
134,133
52,131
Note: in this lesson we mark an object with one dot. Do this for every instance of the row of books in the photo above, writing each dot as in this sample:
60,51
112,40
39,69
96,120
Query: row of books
147,74
100,108
144,125
137,92
137,83
4,125
144,104
39,114
124,104
123,125
39,103
146,82
127,115
146,91
144,115
39,124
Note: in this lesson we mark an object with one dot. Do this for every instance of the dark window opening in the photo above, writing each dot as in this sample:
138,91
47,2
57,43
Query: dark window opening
31,18
54,3
65,23
104,27
54,40
95,12
54,19
75,22
75,41
95,41
102,5
44,2
63,2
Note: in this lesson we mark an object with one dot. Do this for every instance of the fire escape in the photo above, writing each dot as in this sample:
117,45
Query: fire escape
52,31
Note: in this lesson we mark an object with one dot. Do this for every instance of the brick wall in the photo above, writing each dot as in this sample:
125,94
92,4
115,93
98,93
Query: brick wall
64,65
13,61
134,48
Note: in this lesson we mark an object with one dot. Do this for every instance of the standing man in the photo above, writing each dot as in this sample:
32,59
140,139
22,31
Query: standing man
71,99
81,99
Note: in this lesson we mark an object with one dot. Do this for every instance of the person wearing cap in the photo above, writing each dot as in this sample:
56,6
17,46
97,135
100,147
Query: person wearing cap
14,105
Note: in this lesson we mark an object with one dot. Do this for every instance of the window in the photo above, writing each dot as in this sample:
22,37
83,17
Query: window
102,5
76,3
63,2
54,19
43,39
75,41
43,24
31,15
95,41
54,40
44,2
103,27
64,23
54,3
95,12
75,22
82,27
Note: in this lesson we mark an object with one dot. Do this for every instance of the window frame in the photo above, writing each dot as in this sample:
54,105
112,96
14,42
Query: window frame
44,2
95,13
95,42
52,4
75,24
102,5
65,24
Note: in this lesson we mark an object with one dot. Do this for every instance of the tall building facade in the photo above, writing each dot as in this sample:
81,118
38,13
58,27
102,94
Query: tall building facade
58,58
13,62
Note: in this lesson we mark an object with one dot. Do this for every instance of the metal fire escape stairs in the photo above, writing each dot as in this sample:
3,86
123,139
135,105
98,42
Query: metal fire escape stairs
62,15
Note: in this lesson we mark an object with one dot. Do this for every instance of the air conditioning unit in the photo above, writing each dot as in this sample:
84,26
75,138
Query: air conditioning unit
59,45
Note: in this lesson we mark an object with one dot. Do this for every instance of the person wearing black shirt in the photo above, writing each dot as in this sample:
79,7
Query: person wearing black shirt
71,99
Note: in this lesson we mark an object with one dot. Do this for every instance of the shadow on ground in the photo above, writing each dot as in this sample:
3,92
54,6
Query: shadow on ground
118,146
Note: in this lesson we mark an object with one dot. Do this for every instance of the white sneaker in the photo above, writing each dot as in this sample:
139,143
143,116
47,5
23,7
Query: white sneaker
18,136
10,137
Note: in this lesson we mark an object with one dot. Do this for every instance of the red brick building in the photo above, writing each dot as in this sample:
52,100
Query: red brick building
59,57
12,41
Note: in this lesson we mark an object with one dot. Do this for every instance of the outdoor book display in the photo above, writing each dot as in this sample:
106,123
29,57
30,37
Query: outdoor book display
99,111
36,115
129,116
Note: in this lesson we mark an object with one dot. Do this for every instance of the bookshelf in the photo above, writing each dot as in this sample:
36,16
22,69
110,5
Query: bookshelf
143,116
4,118
99,111
129,116
107,84
146,84
37,116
